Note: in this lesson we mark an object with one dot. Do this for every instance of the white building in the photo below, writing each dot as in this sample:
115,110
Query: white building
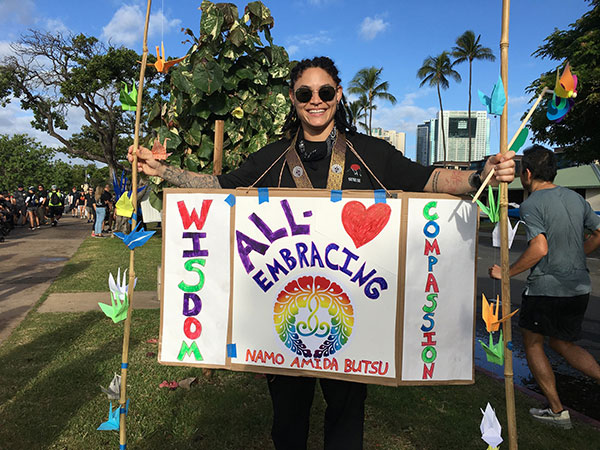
396,138
456,132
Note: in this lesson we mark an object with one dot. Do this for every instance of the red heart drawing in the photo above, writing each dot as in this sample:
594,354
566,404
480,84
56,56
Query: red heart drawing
364,224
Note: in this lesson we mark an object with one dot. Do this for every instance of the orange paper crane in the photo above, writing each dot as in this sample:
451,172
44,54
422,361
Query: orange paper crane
159,151
161,65
490,317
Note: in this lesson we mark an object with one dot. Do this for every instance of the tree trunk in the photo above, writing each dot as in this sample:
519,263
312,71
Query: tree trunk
469,113
370,115
442,123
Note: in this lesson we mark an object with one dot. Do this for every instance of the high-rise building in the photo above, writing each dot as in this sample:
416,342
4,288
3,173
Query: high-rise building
456,132
396,138
423,144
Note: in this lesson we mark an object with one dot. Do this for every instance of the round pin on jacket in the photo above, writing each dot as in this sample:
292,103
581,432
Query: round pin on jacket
336,168
297,171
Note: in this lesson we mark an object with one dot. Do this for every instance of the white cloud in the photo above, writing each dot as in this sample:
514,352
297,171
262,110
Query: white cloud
56,26
13,120
127,25
5,49
372,26
20,11
310,40
291,49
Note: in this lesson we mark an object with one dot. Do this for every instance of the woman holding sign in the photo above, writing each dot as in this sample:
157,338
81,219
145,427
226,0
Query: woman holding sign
321,149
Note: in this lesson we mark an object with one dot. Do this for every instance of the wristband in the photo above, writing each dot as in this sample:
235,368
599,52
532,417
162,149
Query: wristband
475,180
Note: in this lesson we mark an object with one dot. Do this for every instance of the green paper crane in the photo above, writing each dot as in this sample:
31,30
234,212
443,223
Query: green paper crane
117,310
128,99
493,210
494,352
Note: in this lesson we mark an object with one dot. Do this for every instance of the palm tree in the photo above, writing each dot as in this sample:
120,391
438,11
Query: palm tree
435,71
358,109
468,48
368,82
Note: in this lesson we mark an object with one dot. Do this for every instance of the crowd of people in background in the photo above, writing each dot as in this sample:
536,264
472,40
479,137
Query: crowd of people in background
36,207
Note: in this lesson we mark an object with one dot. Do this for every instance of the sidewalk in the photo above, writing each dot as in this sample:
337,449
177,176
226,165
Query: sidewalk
29,262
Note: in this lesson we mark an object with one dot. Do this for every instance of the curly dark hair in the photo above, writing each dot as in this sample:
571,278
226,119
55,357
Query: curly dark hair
343,116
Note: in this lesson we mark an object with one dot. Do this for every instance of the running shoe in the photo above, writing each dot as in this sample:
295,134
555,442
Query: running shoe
561,419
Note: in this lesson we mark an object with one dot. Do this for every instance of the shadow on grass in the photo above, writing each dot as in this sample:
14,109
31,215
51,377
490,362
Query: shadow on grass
71,269
42,386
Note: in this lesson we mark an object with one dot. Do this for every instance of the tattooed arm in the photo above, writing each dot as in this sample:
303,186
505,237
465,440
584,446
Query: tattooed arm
461,181
178,177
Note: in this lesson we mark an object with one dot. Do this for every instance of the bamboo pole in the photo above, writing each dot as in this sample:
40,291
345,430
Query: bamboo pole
134,183
514,138
509,387
218,153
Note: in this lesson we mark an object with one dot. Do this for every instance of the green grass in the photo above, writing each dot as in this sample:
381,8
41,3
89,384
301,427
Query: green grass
52,365
88,269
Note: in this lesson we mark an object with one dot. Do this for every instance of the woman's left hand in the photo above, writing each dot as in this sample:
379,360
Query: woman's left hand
503,166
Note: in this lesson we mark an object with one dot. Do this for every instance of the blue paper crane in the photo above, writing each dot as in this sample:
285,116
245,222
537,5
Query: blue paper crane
136,238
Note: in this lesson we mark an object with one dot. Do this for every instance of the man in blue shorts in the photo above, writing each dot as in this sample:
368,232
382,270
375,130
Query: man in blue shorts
558,286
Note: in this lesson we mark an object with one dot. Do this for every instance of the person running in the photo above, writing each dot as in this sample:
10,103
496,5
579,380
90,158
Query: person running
558,286
81,204
72,199
55,205
90,211
20,195
32,204
42,195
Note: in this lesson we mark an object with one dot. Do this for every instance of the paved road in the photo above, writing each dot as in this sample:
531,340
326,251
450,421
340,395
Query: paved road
29,262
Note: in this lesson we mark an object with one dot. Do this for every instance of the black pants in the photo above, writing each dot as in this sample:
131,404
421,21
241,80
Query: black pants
344,417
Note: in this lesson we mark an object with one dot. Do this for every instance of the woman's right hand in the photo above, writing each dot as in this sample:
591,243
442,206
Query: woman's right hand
145,161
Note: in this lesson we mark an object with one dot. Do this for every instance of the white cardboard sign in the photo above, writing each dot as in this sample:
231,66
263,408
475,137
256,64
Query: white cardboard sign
308,283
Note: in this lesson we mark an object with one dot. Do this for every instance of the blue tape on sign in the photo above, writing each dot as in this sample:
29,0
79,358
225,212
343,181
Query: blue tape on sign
379,195
509,345
230,200
263,195
336,196
122,446
231,350
124,365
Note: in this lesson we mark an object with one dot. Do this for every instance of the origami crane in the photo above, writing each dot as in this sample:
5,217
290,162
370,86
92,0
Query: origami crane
124,206
113,418
491,430
512,231
128,98
493,210
494,352
136,238
163,66
489,316
494,103
121,186
117,310
114,388
565,88
159,151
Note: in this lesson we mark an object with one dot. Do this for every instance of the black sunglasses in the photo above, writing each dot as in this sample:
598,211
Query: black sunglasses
304,94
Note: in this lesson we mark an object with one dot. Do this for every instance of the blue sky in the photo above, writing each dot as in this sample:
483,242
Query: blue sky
396,35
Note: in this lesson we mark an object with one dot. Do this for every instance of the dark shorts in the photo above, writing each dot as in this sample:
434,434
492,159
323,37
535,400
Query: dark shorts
557,317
